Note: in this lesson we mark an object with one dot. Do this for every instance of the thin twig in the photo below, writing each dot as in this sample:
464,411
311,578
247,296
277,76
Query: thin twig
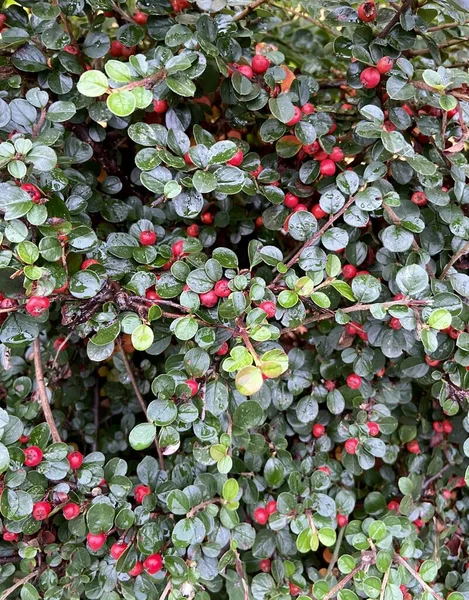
316,22
456,257
248,10
59,350
384,584
95,416
335,555
241,574
18,584
435,477
395,20
166,590
446,26
195,509
414,573
141,401
40,123
343,582
447,44
42,392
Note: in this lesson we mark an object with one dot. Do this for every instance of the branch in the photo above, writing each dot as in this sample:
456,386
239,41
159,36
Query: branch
301,15
194,510
395,19
145,82
241,574
317,235
18,584
166,590
343,582
446,26
414,573
248,10
41,388
335,556
456,257
141,401
447,44
384,583
40,123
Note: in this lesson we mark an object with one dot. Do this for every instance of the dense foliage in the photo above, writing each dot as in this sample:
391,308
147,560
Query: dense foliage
234,339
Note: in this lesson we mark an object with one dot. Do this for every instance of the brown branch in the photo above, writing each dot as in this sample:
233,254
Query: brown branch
447,44
332,219
456,257
18,584
40,123
241,574
384,584
335,555
316,22
343,582
193,511
395,19
414,573
166,590
42,392
248,10
145,82
141,401
446,26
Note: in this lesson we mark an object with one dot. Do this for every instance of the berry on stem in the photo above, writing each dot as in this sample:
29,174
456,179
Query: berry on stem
75,460
153,563
32,456
96,540
261,515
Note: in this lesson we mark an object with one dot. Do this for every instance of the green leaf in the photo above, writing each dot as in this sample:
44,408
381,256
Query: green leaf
121,104
249,380
92,84
142,337
142,436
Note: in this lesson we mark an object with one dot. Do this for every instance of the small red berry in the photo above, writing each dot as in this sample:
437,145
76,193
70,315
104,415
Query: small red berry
393,505
329,385
118,549
296,117
299,207
261,515
153,563
354,381
194,386
246,71
431,362
32,456
294,589
147,238
370,77
33,192
71,511
446,494
342,520
116,49
24,439
373,428
237,159
193,230
150,294
384,64
209,299
264,565
290,200
325,469
207,218
140,18
178,248
337,154
160,106
137,570
269,308
140,492
367,12
349,271
36,305
9,536
351,446
71,49
257,171
260,64
59,344
317,211
222,289
41,510
447,426
438,426
96,540
413,447
179,5
394,323
419,198
327,167
308,108
87,263
271,507
318,430
223,349
75,460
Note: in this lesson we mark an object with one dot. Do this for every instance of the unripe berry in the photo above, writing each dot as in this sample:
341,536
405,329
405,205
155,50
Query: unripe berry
147,238
96,540
118,549
354,381
32,456
351,446
269,308
160,106
349,271
71,511
75,460
296,117
260,64
327,167
290,200
384,64
153,563
237,159
261,515
41,510
209,299
36,305
370,77
140,492
367,12
194,386
317,211
318,430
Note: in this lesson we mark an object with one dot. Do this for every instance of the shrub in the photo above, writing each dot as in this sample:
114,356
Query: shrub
234,338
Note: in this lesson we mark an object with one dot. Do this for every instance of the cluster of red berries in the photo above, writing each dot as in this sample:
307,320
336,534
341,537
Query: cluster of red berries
353,328
3,19
118,49
327,161
33,191
442,426
261,515
371,76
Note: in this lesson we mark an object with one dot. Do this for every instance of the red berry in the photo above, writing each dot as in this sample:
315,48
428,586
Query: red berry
354,381
59,344
437,426
223,349
140,18
147,238
87,263
261,515
394,323
32,456
367,12
96,540
318,430
33,192
257,171
178,248
24,439
290,200
349,271
264,565
118,549
384,64
451,113
179,5
9,536
71,511
209,299
431,362
308,108
153,563
317,211
193,230
207,218
342,520
194,386
246,71
327,167
329,385
447,426
269,308
137,570
188,159
337,154
41,510
71,49
151,295
237,159
370,77
260,63
446,494
325,469
393,505
222,289
140,492
294,589
351,446
271,507
373,428
116,49
296,117
419,198
36,305
160,106
299,207
75,460
454,333
413,447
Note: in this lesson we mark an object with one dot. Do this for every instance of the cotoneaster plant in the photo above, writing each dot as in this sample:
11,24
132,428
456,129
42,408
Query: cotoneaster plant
234,342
